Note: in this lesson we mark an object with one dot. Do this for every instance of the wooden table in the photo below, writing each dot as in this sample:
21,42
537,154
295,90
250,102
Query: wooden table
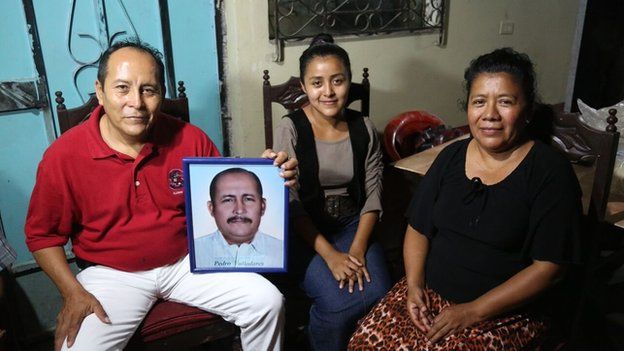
419,163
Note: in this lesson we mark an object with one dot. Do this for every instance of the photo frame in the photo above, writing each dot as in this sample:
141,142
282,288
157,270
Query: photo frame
232,224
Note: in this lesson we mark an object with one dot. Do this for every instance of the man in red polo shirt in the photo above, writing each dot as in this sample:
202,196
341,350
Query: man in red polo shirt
113,186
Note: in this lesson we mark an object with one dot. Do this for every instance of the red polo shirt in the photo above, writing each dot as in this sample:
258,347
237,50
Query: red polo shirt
120,212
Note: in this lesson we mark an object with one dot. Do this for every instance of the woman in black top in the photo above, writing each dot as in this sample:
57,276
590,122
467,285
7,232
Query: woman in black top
491,227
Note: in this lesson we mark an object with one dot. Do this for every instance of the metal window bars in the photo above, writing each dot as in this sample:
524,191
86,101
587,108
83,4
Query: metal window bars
300,19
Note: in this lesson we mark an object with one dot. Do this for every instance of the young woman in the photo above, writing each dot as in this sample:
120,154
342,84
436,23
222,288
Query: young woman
338,201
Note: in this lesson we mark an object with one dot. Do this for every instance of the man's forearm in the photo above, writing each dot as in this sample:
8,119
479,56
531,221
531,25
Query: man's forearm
53,262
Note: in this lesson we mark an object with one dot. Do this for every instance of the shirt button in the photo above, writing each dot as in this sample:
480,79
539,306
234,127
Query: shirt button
137,183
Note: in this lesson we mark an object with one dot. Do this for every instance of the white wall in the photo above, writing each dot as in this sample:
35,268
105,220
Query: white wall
407,72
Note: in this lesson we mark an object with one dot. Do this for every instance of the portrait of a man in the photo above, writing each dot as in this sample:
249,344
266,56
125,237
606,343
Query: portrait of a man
237,205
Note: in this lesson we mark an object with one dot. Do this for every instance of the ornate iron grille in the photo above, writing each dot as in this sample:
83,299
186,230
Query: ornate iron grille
299,19
103,39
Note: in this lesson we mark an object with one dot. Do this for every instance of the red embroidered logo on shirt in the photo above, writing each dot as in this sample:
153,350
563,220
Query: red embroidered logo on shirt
176,179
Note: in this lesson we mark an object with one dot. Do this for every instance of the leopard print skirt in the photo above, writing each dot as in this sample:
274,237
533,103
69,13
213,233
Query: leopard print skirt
389,327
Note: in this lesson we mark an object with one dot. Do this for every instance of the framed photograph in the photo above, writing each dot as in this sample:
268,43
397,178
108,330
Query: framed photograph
236,214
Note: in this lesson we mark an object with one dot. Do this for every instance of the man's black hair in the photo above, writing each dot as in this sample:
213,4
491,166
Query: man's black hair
136,44
234,170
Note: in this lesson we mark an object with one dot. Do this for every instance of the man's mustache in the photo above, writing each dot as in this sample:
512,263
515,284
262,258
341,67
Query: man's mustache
239,219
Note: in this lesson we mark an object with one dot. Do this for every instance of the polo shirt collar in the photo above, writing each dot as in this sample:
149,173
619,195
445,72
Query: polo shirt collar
255,243
98,148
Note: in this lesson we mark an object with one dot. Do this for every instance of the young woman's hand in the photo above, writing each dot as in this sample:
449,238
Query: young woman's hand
362,272
418,308
343,267
288,165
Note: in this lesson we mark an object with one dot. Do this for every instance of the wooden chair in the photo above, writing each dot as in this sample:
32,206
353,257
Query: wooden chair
168,325
68,118
587,147
291,97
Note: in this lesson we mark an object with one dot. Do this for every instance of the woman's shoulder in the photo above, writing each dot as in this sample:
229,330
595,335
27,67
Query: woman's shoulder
454,148
370,125
286,120
291,120
548,165
453,154
298,113
547,156
368,122
285,134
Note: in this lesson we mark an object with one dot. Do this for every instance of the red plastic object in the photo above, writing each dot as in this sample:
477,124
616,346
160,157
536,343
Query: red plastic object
400,131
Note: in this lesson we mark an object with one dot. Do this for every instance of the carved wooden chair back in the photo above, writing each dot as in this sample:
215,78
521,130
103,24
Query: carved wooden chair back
290,95
586,147
67,118
167,323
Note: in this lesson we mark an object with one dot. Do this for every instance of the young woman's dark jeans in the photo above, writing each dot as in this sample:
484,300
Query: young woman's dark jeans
335,311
